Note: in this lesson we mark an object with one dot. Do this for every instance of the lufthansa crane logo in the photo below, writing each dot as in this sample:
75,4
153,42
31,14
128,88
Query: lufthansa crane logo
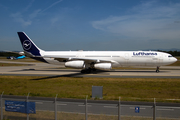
26,44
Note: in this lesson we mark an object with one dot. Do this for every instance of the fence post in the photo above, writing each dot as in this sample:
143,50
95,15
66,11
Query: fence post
119,109
2,106
154,109
55,107
86,110
27,106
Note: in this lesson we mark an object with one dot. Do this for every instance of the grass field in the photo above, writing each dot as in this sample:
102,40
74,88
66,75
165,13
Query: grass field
129,89
19,60
11,64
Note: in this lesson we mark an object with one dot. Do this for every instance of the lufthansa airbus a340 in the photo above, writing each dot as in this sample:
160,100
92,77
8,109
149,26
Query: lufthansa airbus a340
91,60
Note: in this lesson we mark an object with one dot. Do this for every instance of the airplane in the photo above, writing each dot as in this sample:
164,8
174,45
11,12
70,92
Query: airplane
20,57
20,53
90,61
16,58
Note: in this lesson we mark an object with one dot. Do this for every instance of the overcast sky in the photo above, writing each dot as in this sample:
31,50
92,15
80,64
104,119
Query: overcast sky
91,24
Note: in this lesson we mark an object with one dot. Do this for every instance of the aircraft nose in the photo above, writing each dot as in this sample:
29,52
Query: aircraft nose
175,59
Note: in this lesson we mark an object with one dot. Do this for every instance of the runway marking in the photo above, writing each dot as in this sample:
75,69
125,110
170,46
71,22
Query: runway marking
79,103
102,104
61,104
43,102
39,102
84,105
166,109
110,106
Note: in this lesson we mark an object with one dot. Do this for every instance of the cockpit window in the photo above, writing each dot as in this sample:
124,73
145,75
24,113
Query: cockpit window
170,56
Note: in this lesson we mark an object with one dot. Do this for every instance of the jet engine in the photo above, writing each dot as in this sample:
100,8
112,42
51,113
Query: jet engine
103,66
75,64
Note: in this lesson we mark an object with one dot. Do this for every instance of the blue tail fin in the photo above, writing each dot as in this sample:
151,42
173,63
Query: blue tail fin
28,45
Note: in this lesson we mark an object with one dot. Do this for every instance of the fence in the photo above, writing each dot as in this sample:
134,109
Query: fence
56,108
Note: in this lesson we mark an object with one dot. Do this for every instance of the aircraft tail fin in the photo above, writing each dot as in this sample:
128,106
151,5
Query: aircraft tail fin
28,45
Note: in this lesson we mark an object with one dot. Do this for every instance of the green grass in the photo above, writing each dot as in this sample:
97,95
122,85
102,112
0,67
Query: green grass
19,60
27,59
11,64
129,89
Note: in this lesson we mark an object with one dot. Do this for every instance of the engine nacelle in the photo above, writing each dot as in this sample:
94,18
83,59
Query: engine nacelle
103,66
75,64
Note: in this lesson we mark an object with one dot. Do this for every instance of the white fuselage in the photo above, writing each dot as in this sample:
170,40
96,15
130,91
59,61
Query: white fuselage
118,58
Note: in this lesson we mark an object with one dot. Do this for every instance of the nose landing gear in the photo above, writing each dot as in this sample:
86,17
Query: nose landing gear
157,69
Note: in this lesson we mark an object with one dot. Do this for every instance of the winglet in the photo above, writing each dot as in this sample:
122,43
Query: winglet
28,45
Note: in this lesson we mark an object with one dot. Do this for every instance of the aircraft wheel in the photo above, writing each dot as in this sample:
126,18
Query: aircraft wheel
157,70
93,69
83,71
86,71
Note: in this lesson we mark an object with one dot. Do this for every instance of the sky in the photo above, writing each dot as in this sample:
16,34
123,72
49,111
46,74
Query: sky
91,25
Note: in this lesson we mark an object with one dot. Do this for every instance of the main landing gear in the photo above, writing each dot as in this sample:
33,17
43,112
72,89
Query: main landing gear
157,69
88,70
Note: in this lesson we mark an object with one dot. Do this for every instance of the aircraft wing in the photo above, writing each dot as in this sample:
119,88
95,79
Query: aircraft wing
86,60
20,53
